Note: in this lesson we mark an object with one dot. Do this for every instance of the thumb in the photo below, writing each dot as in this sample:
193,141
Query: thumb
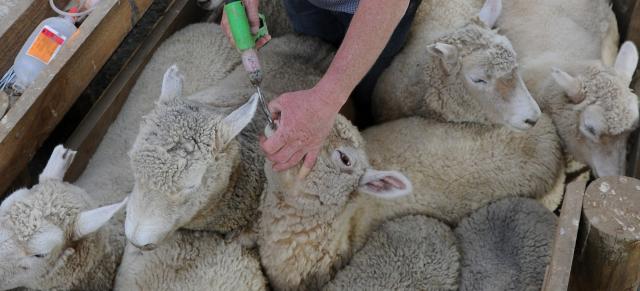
309,162
252,12
275,106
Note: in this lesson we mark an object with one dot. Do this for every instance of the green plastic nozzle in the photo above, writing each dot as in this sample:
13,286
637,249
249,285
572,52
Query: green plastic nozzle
239,25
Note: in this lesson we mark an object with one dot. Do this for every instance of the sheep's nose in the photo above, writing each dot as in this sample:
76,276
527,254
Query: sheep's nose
531,122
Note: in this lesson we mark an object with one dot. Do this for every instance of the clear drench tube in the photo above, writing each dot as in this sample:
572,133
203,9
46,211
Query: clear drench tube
245,41
42,46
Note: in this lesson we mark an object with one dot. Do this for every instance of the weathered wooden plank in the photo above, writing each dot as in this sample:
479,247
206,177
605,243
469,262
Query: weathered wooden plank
559,270
609,256
633,34
86,138
40,108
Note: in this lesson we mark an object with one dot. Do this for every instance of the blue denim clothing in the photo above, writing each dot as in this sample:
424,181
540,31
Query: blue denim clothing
331,26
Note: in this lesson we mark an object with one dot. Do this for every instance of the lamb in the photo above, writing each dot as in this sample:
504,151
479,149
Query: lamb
468,75
569,70
204,49
456,168
414,252
191,260
53,236
307,227
506,245
295,62
194,168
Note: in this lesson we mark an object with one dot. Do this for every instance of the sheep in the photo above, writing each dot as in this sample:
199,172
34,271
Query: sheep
204,49
456,168
307,227
53,236
191,260
506,245
294,62
468,75
567,64
414,252
108,173
195,167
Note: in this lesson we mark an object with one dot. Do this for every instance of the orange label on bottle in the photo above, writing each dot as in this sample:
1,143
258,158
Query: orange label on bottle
46,45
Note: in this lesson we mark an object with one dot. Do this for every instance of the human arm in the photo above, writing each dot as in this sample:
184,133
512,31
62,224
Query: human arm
306,117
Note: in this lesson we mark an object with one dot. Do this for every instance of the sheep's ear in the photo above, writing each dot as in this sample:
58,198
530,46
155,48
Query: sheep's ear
569,84
58,164
490,12
627,60
447,53
171,84
235,122
385,184
91,220
46,239
13,198
592,122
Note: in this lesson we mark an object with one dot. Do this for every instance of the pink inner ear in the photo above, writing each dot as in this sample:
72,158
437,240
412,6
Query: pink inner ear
386,184
395,182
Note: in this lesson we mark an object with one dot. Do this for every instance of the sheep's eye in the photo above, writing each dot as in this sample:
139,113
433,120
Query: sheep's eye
345,159
40,256
479,81
591,130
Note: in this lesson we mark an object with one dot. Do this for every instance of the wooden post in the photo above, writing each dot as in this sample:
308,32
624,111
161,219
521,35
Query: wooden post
559,270
609,256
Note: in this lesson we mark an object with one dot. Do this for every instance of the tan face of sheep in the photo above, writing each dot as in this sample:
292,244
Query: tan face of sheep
603,111
39,226
182,161
342,169
485,63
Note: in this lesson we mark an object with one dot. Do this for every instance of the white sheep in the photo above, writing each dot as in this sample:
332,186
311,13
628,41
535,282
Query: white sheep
506,245
565,48
467,75
205,51
307,228
191,260
456,168
54,237
289,63
413,252
195,168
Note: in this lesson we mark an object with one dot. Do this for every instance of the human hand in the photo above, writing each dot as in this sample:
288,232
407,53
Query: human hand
254,21
305,119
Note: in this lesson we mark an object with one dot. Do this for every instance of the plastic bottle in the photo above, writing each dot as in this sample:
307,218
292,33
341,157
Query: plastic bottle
41,48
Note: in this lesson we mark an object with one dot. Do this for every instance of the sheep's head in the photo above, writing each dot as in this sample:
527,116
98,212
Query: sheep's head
600,112
182,160
341,171
40,226
485,63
